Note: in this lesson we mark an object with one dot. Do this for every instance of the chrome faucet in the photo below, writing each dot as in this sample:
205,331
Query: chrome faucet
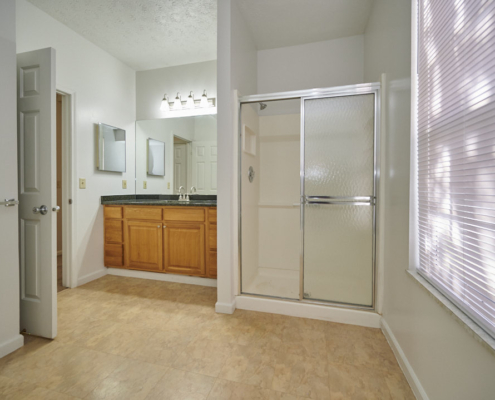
182,197
193,189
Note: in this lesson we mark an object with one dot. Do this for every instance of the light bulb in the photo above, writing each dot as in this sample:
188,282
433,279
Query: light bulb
204,100
165,106
190,101
177,103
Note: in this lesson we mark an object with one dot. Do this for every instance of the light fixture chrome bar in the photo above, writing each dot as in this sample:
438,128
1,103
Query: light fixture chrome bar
211,103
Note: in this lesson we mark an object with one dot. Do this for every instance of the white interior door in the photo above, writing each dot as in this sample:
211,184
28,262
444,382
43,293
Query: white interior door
37,190
204,171
180,166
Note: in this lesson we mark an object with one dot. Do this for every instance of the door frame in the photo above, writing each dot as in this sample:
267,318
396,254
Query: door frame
69,276
358,89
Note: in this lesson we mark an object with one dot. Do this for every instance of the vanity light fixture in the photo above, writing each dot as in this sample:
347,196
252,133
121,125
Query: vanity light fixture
189,107
177,102
204,100
165,106
190,101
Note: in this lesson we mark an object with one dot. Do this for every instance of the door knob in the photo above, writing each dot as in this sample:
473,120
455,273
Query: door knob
56,208
41,210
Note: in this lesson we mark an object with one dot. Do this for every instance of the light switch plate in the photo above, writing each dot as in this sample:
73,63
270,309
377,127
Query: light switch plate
145,185
82,183
124,184
168,185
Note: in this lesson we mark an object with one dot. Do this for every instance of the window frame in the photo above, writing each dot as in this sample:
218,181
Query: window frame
462,314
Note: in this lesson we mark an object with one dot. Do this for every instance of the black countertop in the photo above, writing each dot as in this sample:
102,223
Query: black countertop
160,200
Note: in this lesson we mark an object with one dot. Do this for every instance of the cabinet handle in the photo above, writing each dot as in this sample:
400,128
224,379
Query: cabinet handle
164,226
158,226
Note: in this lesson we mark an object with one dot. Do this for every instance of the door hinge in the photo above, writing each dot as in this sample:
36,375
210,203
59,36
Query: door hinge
70,201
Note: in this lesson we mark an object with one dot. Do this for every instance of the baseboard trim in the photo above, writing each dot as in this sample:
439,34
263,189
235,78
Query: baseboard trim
11,345
313,311
225,308
190,280
91,277
407,369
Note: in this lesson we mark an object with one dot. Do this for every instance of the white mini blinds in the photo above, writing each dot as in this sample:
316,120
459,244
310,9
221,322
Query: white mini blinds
456,152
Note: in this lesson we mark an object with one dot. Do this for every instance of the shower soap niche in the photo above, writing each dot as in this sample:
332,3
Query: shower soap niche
248,140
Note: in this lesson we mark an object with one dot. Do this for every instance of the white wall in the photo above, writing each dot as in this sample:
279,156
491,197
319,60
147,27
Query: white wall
105,92
448,361
151,85
237,65
315,65
10,339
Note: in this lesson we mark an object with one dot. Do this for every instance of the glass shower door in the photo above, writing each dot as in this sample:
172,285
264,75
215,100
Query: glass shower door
338,199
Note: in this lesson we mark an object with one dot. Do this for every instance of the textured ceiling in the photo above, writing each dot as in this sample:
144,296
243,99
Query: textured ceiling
144,34
280,23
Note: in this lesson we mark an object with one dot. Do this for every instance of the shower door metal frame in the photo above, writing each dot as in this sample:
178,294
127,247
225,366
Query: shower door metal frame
302,95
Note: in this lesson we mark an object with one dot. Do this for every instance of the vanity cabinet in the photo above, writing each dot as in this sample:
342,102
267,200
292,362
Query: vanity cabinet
114,237
168,239
143,245
184,248
211,251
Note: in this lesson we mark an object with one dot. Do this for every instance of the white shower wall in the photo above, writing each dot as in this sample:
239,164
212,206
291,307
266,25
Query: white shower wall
279,215
271,232
249,199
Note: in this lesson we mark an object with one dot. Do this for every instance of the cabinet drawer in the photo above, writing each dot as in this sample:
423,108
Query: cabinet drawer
112,212
212,214
184,214
114,232
212,236
114,255
143,213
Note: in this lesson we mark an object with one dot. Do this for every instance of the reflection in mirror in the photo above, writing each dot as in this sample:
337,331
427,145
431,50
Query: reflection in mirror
156,157
111,148
190,155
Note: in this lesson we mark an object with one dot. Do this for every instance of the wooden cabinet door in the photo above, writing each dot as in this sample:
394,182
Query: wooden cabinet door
184,248
143,245
211,252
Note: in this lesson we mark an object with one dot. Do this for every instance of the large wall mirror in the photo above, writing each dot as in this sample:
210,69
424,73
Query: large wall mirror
189,149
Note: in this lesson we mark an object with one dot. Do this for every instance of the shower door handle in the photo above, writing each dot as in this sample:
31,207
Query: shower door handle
336,200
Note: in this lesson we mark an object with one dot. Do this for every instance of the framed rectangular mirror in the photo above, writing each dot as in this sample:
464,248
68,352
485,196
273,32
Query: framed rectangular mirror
183,152
111,148
156,157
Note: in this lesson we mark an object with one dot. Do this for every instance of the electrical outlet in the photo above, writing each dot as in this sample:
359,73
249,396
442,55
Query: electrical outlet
168,185
124,184
82,183
145,185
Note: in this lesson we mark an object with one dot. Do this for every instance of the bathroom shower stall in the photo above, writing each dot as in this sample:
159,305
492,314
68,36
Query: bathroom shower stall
308,180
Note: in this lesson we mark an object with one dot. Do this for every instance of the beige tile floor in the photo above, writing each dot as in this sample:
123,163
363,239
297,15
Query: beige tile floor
125,338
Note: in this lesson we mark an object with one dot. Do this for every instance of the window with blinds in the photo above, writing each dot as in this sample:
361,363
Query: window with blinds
456,153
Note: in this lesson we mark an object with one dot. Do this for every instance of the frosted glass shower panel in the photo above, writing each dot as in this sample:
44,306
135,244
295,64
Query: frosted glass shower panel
339,202
339,146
